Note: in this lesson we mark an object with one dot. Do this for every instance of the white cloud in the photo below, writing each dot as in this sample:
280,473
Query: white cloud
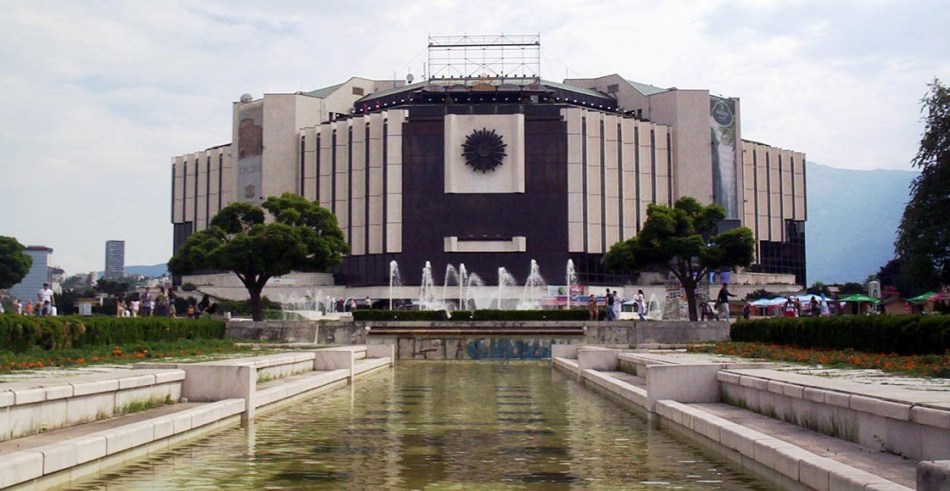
98,96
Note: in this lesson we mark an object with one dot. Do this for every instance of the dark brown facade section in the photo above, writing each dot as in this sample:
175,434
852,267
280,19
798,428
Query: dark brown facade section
429,214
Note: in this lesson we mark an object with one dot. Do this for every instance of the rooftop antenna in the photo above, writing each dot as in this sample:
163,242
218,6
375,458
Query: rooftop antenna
496,58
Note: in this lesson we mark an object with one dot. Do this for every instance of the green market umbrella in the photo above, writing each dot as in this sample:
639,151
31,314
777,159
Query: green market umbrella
857,297
921,298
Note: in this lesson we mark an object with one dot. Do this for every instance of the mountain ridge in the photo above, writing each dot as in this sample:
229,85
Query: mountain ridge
852,223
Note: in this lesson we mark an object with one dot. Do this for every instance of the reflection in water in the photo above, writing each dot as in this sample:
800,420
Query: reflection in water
458,425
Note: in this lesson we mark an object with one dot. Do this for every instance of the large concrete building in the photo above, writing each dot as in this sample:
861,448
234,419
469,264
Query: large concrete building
497,169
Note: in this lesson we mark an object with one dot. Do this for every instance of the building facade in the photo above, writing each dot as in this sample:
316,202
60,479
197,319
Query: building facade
39,273
496,172
115,260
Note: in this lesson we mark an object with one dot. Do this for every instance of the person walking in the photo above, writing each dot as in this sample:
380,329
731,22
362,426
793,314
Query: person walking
610,306
145,303
641,305
45,299
723,301
592,307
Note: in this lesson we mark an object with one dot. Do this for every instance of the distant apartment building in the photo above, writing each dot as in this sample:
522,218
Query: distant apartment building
115,259
39,273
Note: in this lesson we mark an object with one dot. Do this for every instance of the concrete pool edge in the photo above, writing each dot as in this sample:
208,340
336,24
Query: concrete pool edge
63,461
679,392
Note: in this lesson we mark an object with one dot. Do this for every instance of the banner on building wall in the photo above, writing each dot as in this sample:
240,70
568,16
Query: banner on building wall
722,121
250,149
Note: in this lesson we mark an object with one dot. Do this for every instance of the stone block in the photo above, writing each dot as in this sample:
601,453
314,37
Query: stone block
87,387
207,383
90,407
747,381
889,486
838,399
682,383
133,381
181,422
796,391
19,467
814,395
128,436
164,377
331,359
935,444
815,472
776,387
598,359
163,427
381,351
788,461
893,410
60,455
740,439
728,378
845,478
59,392
765,451
29,396
939,418
89,447
206,414
6,399
933,475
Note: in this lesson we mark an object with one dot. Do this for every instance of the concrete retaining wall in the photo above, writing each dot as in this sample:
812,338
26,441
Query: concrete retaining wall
912,424
32,407
528,340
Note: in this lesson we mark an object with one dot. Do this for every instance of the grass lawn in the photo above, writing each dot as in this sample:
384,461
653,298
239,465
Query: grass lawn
917,365
181,350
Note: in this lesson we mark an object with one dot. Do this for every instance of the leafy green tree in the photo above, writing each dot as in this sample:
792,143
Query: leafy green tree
112,287
301,236
683,241
923,238
14,263
818,288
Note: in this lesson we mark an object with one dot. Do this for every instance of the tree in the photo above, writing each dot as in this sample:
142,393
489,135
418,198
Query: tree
683,241
302,236
923,238
14,263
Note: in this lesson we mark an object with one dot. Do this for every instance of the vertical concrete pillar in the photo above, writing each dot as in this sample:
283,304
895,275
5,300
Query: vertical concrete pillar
682,383
209,383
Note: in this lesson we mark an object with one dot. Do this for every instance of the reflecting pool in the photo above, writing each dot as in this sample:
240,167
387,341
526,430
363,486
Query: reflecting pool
440,425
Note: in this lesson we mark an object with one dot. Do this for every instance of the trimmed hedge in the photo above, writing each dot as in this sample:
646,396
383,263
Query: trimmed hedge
20,333
466,315
901,334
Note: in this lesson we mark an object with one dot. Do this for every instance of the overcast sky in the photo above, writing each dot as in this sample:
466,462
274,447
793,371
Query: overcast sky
97,96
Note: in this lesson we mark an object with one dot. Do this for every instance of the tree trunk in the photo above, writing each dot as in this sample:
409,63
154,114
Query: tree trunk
257,311
690,288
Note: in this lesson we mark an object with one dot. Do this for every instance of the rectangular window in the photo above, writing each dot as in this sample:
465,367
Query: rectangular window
358,91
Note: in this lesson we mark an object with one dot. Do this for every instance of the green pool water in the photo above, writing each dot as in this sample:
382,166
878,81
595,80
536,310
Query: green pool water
440,425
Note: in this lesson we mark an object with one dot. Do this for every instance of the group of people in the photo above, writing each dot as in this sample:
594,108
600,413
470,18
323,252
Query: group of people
614,301
145,305
45,303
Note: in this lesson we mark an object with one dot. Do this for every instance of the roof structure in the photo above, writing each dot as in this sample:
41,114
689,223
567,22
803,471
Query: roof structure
324,92
646,89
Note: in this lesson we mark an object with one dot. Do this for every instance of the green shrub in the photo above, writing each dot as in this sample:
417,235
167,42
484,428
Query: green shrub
902,334
20,333
465,315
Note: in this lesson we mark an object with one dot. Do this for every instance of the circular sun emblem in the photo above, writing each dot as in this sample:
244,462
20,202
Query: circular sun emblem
484,150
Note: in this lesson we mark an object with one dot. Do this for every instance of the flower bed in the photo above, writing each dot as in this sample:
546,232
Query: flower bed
931,365
125,353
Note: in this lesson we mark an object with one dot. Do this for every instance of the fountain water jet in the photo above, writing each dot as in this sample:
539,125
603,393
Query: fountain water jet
394,280
505,279
534,289
571,278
